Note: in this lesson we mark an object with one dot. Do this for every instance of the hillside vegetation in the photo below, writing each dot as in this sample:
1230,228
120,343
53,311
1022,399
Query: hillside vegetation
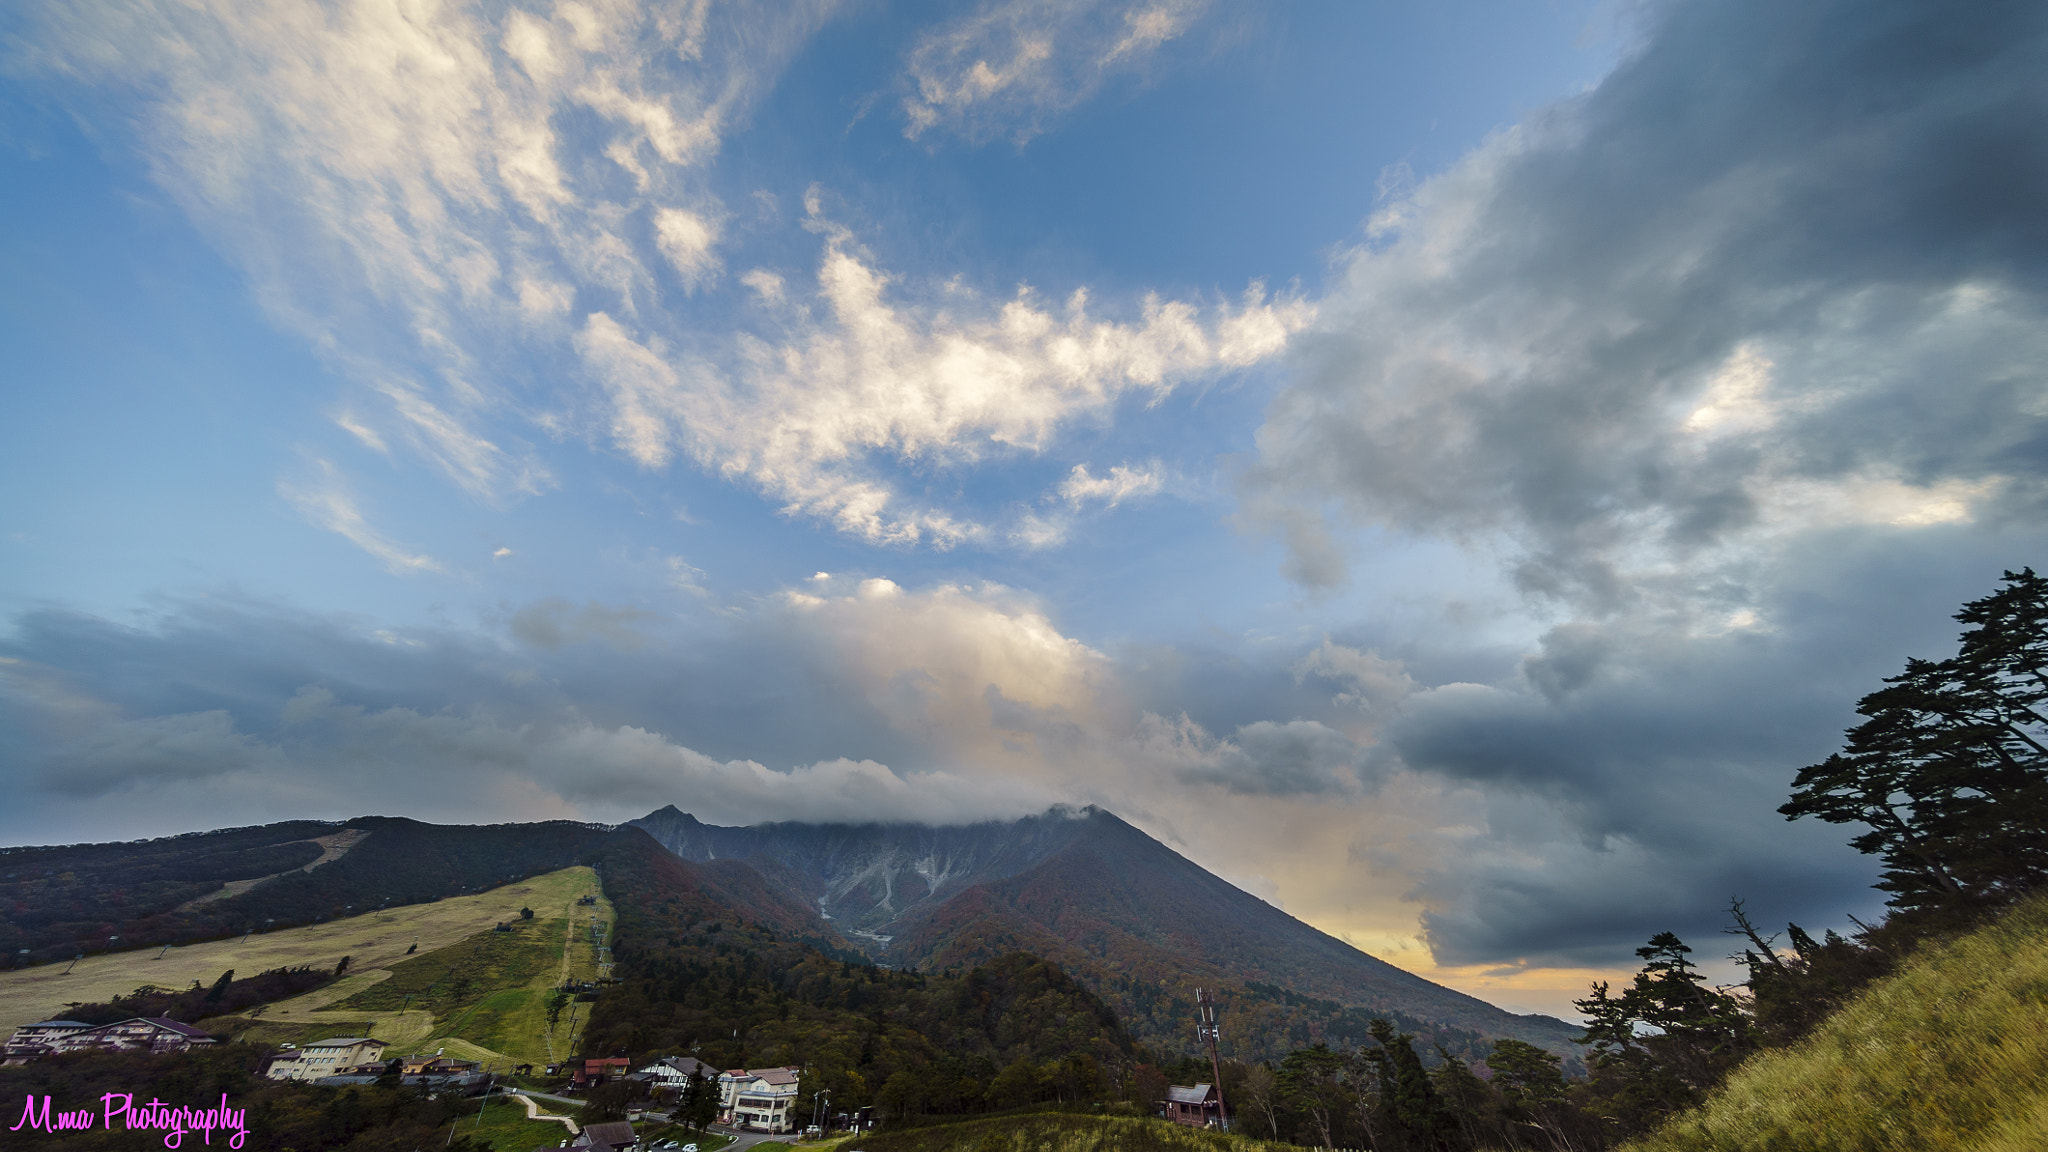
698,975
1058,1132
1951,1052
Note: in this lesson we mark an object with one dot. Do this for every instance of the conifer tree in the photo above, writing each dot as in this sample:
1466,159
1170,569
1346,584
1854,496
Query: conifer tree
1666,1039
1412,1114
1950,769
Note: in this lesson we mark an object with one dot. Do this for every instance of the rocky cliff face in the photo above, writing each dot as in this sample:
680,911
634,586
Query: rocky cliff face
865,880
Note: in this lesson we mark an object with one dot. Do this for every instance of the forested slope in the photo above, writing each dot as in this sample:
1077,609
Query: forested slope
1143,926
740,985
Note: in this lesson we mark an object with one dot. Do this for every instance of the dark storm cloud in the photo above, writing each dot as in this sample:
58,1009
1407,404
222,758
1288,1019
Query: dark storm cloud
1779,244
1639,793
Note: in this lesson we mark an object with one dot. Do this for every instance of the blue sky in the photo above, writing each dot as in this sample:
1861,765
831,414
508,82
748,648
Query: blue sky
1444,467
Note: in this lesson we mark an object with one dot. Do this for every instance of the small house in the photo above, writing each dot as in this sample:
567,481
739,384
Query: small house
1198,1106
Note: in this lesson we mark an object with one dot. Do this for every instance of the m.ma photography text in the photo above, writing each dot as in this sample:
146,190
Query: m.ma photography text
119,1110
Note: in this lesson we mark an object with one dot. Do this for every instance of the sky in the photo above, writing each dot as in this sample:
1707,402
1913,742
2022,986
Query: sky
1444,467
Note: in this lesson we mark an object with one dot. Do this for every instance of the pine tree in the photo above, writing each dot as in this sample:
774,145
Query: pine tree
1666,1039
1412,1114
1950,769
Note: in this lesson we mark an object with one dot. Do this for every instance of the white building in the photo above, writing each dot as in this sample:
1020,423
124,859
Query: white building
155,1034
325,1058
39,1039
763,1099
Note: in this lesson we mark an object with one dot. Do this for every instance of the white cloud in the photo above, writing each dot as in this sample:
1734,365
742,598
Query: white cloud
687,239
1013,65
928,660
876,378
327,502
465,207
1122,483
1373,684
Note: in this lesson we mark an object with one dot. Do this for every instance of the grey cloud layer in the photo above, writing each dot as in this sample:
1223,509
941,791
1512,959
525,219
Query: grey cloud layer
1741,358
1784,266
247,712
1529,827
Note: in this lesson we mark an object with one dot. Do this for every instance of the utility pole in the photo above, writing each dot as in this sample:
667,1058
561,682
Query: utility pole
1207,1030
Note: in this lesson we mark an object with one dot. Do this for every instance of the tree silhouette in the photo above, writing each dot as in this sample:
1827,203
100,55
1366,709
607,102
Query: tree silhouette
1666,1039
1950,769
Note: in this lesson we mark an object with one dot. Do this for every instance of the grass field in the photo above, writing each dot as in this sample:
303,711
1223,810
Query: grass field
503,1125
276,1032
485,997
372,940
1058,1132
1949,1053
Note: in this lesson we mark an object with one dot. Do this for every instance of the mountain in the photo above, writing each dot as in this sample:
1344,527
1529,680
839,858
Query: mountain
1136,922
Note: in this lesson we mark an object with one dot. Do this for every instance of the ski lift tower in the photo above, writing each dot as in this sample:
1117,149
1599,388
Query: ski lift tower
1209,1032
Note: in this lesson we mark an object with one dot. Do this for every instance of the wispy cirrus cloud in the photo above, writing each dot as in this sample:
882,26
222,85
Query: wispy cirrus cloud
497,222
434,195
1014,65
326,500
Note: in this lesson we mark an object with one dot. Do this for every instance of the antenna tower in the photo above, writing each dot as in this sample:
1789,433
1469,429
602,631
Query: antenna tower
1209,1032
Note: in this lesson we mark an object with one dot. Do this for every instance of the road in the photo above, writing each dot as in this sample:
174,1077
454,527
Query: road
537,1095
744,1140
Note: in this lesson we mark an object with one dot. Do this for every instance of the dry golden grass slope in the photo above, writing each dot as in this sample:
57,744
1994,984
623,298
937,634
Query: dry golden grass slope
373,940
1950,1053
